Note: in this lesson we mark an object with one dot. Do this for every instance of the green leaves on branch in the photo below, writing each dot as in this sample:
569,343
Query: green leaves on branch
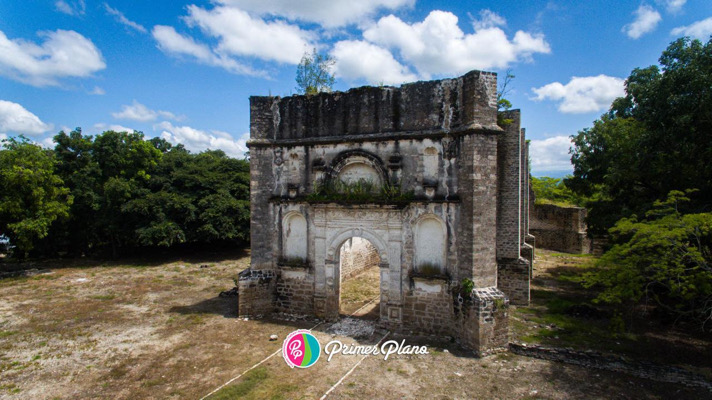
117,191
664,262
32,196
314,73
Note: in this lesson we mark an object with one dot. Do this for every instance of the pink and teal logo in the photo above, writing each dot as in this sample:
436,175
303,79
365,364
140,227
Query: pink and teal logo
301,349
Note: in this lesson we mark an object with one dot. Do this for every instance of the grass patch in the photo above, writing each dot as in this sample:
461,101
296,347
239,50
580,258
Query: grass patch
104,297
244,388
4,334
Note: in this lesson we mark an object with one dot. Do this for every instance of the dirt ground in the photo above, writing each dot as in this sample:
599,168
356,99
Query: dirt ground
160,331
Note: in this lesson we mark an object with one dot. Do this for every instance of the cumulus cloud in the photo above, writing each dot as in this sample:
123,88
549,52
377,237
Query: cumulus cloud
240,34
438,46
700,29
673,6
15,118
73,8
63,54
121,18
139,112
582,94
359,59
198,140
175,44
646,20
327,13
551,154
102,127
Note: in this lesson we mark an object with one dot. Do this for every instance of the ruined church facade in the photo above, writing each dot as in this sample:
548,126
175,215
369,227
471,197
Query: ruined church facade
424,173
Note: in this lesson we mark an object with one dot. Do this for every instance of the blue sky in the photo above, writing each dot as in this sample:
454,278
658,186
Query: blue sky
185,71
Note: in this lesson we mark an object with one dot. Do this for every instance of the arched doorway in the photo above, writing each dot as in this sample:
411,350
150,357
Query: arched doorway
359,278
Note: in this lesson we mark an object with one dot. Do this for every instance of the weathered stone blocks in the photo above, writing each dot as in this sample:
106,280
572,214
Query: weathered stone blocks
444,205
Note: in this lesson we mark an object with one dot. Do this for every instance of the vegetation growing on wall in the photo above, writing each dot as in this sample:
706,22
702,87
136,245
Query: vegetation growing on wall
361,191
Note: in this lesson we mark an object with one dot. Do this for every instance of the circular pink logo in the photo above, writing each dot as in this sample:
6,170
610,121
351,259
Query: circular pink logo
301,349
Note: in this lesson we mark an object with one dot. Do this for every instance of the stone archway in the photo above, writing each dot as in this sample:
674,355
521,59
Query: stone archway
332,266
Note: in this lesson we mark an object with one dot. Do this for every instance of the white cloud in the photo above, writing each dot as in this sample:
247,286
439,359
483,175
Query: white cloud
198,140
646,20
47,142
16,119
438,46
359,59
327,13
102,127
62,54
488,19
73,8
551,154
175,44
239,34
673,6
700,29
582,94
98,91
139,112
121,18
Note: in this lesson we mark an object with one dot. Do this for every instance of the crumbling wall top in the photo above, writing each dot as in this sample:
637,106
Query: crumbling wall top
460,104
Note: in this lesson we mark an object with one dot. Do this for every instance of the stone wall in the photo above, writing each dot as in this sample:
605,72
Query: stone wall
460,175
295,291
615,363
513,266
560,228
428,307
356,256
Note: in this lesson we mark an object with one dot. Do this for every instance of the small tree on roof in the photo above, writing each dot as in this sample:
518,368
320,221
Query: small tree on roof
314,73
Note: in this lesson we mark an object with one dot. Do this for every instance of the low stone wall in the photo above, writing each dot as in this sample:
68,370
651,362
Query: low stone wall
484,324
295,291
513,278
256,292
428,307
357,255
593,359
560,228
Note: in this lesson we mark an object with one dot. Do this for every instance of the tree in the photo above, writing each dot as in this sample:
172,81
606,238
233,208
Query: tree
656,139
502,103
314,73
32,196
663,261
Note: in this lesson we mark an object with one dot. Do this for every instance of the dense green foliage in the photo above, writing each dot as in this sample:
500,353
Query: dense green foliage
654,143
32,196
130,193
656,139
314,73
554,191
663,260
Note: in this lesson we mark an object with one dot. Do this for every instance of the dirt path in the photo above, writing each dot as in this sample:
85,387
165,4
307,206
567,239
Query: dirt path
161,332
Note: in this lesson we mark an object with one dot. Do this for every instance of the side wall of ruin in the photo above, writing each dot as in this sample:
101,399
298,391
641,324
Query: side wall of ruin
560,228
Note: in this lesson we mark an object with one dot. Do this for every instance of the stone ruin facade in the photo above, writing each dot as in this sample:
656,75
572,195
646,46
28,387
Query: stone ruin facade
424,173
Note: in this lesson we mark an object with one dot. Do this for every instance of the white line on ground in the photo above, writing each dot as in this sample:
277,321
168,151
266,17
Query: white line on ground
351,370
249,369
365,305
276,352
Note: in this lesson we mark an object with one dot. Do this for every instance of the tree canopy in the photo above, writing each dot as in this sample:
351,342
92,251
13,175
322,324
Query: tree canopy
646,167
117,192
655,139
